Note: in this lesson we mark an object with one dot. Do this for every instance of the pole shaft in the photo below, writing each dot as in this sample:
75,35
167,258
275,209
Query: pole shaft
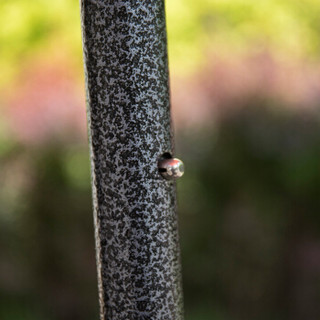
129,129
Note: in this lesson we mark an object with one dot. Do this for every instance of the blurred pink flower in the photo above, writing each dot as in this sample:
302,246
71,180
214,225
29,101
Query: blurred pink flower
228,83
48,102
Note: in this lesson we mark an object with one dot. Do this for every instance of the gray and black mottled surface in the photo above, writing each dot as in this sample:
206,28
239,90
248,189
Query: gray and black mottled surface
129,128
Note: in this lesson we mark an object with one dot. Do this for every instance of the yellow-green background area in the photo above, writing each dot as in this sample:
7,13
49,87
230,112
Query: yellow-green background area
289,27
249,201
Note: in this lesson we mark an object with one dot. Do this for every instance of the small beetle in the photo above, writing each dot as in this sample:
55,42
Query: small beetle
171,168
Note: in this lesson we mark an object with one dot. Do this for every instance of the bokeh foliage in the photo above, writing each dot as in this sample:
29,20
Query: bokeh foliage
30,29
250,224
290,27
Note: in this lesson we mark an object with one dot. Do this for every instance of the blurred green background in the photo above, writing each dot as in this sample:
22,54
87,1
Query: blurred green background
245,82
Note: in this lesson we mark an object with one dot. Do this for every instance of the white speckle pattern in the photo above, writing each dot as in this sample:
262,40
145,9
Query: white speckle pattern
129,129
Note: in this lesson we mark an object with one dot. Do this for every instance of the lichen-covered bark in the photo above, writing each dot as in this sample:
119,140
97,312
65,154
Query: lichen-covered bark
129,128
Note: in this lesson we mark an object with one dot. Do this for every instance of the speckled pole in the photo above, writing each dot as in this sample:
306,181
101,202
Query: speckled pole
129,128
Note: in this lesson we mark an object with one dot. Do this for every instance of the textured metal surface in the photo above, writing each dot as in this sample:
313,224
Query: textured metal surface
129,129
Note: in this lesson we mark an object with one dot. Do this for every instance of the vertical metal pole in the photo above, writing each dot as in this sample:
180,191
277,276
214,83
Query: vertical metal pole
129,128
